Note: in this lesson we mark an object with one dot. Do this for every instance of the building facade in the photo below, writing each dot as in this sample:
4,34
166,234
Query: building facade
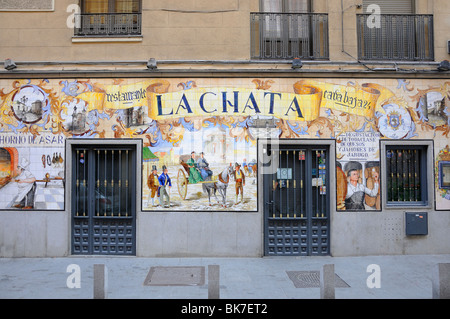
224,128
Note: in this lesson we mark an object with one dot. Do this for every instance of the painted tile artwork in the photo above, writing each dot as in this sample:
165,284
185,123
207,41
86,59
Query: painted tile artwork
201,132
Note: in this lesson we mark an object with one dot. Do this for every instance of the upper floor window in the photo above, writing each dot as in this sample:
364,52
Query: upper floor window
286,29
109,18
389,30
111,6
285,6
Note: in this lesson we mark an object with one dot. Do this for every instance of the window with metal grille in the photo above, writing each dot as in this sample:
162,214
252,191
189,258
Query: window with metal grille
109,18
286,29
401,34
406,175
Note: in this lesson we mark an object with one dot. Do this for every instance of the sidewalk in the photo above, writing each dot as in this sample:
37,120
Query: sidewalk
401,277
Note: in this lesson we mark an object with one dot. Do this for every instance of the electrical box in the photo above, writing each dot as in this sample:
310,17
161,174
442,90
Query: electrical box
416,223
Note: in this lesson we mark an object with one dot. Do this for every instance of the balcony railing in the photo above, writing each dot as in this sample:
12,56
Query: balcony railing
289,35
397,37
107,24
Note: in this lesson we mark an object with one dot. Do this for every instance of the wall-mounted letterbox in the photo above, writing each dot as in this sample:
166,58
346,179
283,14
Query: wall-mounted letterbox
416,223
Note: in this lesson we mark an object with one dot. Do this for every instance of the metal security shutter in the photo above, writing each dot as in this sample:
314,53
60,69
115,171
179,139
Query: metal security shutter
391,6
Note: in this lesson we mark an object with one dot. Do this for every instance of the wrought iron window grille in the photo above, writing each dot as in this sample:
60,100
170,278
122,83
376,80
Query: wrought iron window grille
289,35
405,175
406,37
108,24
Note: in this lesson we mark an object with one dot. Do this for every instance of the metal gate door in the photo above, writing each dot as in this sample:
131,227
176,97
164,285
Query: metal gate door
296,202
103,204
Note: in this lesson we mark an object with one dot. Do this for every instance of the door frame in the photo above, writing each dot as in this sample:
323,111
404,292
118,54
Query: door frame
76,142
262,149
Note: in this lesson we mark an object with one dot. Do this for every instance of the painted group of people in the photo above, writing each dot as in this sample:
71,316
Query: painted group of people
159,186
199,171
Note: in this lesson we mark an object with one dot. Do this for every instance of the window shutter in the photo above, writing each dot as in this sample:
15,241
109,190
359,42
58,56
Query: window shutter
391,6
286,6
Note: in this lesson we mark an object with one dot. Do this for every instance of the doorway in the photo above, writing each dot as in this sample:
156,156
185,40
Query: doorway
103,200
297,200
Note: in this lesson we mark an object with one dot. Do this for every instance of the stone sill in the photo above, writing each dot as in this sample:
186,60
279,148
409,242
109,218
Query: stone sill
106,39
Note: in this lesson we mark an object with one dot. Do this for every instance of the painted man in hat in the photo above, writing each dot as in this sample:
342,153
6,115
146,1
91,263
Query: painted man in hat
354,200
239,177
153,184
26,186
164,183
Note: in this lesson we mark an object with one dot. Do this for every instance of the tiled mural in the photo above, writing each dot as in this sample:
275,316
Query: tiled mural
201,132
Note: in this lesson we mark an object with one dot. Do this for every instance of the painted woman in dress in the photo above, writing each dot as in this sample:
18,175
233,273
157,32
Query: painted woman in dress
194,174
203,165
